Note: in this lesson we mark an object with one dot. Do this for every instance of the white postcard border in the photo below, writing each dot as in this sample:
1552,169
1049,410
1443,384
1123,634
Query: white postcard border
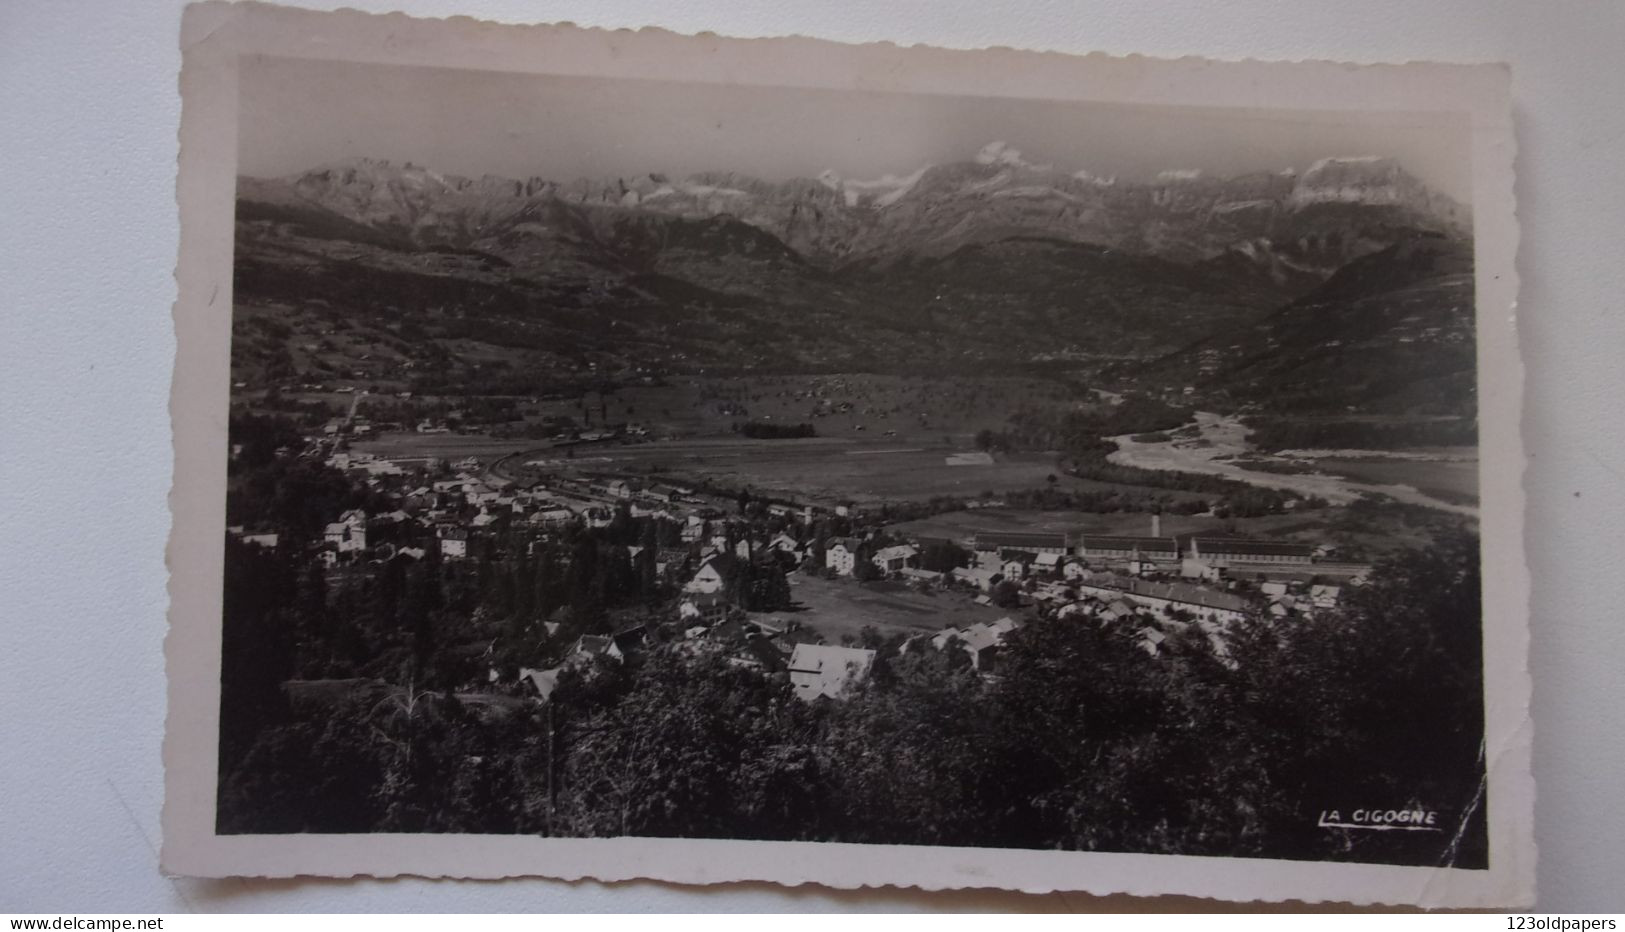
215,34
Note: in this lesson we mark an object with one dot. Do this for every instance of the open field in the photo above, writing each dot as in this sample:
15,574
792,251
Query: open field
840,608
817,468
860,469
834,469
1338,527
916,409
874,473
879,437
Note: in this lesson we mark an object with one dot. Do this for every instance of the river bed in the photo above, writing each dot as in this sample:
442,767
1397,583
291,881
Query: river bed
1212,444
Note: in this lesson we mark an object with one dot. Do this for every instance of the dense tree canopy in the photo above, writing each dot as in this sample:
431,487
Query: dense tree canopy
1084,740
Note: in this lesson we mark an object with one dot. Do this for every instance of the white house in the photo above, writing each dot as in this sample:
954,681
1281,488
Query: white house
705,582
553,517
705,609
1321,596
841,555
981,640
919,575
825,670
346,536
454,543
983,578
894,559
1048,562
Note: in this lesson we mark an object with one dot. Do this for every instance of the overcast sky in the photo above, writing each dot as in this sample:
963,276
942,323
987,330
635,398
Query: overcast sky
299,114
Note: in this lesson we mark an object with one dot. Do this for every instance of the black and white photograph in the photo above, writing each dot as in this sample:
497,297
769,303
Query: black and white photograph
617,457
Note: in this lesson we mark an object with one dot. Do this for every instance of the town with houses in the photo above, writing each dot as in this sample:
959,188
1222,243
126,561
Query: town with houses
1148,586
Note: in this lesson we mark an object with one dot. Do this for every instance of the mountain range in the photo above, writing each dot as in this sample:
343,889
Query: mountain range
989,261
1390,332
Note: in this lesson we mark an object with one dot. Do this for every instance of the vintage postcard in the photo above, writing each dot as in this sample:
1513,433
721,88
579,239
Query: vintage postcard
629,455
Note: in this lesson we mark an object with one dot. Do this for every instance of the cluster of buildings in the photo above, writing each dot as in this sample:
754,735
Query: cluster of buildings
453,512
813,669
1194,556
1153,582
842,554
1121,595
1191,574
981,642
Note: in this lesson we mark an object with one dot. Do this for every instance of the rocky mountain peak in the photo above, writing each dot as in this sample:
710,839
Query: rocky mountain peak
1296,225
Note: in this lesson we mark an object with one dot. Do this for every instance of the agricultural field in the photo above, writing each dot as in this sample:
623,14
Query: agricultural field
840,608
917,409
826,469
878,437
869,473
1359,532
407,447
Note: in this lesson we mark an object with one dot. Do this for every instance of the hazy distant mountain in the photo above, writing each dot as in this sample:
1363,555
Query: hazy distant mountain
1183,216
991,260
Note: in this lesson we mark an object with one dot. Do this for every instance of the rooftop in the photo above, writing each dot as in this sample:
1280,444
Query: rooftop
988,540
1186,593
1249,547
826,670
1108,542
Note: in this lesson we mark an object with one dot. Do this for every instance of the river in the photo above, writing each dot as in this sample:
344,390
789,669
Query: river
1219,439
